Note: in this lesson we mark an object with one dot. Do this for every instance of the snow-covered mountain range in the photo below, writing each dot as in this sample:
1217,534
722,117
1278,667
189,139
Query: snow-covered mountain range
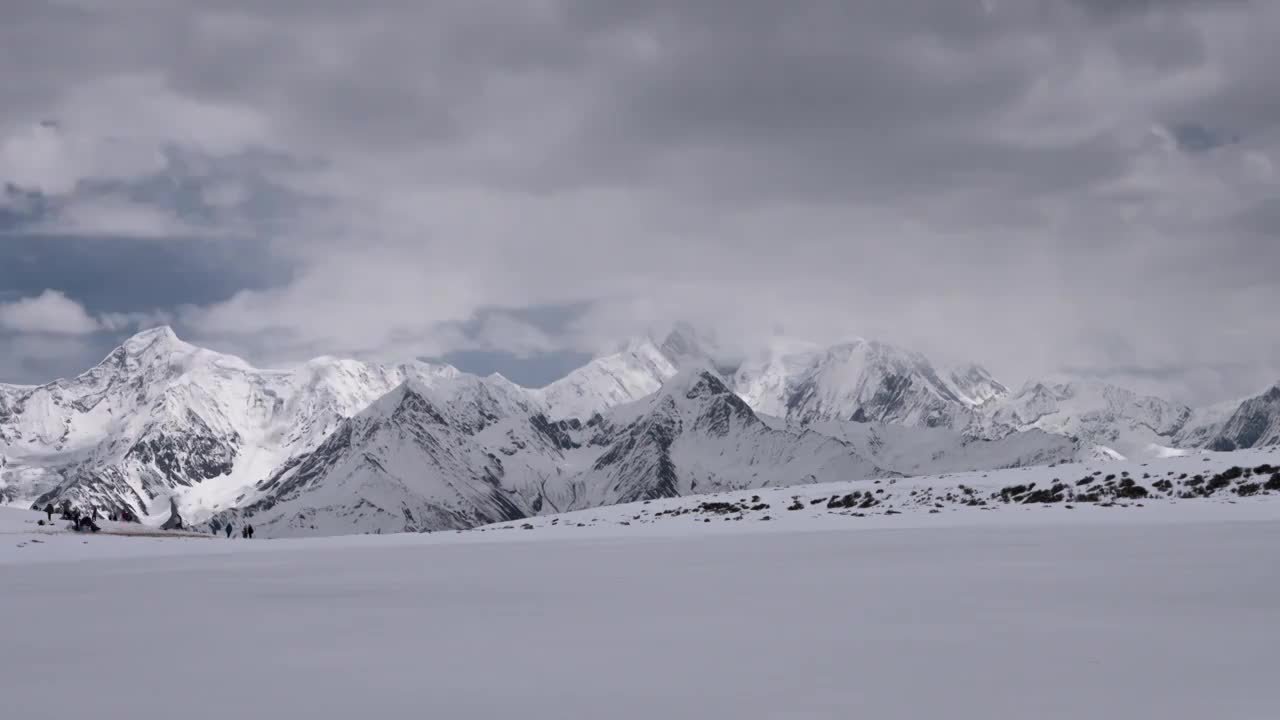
338,445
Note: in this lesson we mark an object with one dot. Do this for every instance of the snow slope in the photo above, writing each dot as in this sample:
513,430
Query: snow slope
928,451
1096,413
402,464
862,381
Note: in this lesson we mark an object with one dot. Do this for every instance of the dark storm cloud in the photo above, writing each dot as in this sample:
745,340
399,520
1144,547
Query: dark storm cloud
120,276
1019,182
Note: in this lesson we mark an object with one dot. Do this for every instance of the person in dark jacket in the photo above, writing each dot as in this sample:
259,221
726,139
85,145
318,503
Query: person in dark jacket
48,510
228,531
86,524
250,530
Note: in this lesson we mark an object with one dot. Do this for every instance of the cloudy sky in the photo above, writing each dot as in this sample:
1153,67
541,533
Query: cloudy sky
1090,187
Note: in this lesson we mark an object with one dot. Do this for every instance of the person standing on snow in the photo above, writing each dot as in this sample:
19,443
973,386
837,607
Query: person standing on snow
48,510
228,531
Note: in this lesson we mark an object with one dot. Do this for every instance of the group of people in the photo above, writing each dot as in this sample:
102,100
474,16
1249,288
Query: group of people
125,515
75,515
246,532
82,522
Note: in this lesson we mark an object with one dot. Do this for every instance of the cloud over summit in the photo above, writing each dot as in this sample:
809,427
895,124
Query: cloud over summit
1036,185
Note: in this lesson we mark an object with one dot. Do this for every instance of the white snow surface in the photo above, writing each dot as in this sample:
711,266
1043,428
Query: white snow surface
1162,611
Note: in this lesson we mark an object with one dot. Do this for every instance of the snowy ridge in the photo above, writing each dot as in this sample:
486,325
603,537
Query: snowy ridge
161,418
405,464
635,372
695,435
865,382
340,446
400,464
1255,423
1096,413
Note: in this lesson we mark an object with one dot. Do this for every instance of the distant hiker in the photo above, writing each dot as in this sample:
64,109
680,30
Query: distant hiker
228,531
96,514
48,510
249,529
244,533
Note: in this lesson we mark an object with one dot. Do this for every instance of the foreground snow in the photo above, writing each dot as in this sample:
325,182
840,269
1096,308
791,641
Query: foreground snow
1166,610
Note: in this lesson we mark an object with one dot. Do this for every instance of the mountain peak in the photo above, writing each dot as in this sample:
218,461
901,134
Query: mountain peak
681,343
161,337
696,383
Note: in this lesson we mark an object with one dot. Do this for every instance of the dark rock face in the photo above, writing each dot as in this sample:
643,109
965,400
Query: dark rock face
722,408
167,455
557,433
642,458
1256,423
188,457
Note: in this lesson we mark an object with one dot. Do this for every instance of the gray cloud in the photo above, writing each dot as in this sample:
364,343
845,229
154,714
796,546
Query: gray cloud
1016,182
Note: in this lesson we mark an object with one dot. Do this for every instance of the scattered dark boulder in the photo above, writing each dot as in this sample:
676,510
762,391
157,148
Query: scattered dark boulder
1248,489
1217,482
